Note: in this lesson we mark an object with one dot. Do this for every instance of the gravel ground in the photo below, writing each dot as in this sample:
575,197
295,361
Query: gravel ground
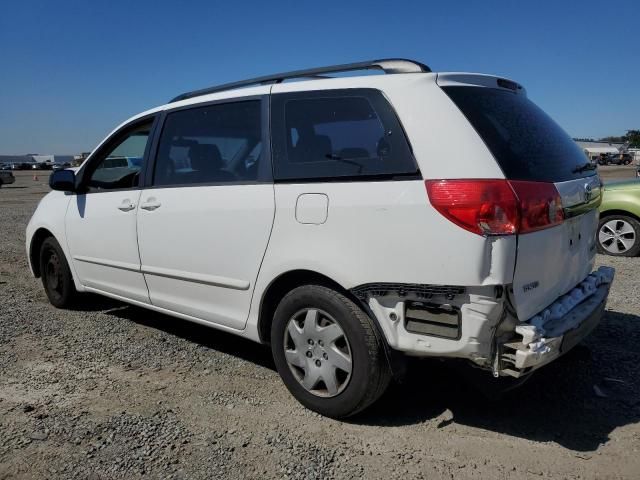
113,391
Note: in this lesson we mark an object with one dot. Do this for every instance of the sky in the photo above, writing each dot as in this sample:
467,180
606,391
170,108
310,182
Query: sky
70,71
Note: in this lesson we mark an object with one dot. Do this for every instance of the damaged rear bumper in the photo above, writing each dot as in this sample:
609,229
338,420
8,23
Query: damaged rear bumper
557,329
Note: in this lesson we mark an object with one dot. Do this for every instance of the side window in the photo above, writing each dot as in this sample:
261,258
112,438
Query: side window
339,133
120,166
213,144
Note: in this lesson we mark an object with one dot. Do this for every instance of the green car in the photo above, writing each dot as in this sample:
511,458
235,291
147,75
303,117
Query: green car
619,228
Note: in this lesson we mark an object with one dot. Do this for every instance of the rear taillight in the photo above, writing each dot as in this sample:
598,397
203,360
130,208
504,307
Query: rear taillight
497,207
540,205
486,207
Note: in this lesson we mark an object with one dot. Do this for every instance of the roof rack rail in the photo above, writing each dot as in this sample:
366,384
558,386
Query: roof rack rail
388,65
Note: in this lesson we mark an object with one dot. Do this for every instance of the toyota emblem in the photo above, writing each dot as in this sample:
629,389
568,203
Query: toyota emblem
587,193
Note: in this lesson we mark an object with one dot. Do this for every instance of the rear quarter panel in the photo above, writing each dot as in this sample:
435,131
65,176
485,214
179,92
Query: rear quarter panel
383,232
379,232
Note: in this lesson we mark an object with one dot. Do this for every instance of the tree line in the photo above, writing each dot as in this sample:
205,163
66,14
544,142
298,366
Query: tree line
632,136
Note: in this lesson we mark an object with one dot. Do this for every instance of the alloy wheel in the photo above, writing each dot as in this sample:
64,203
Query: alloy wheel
617,236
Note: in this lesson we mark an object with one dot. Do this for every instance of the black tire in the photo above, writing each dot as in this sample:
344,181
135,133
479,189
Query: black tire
370,373
55,274
634,250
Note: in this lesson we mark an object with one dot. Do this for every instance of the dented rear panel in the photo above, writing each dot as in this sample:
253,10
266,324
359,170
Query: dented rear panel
529,146
552,261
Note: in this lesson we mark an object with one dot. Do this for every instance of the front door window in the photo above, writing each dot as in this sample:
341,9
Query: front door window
120,167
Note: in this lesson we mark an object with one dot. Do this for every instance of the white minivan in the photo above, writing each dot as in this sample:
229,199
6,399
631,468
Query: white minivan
347,221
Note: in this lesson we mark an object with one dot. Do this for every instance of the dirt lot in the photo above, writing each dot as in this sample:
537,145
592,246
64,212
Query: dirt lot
113,391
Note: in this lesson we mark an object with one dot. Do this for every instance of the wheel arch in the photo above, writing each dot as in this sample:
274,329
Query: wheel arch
291,279
37,239
614,212
280,286
287,281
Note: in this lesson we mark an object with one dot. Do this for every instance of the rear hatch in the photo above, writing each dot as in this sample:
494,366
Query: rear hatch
532,150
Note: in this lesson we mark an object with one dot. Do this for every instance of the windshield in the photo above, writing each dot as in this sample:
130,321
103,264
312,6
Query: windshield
525,141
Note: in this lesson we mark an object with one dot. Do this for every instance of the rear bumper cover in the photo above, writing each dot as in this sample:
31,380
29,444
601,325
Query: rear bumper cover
557,329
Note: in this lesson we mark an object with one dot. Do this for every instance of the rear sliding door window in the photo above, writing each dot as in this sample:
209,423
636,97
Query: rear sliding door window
220,143
338,134
525,141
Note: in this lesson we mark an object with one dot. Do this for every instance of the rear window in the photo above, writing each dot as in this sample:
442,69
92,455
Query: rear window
338,134
525,141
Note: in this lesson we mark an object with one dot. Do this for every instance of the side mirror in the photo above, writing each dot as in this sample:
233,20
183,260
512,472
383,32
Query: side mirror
63,180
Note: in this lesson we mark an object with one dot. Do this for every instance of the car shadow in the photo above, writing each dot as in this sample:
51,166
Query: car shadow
576,401
90,302
193,332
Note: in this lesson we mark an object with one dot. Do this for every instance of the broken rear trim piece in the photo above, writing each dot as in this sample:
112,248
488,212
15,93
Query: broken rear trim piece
533,349
404,289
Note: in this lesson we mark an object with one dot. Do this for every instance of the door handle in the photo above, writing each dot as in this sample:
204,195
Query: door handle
150,205
126,206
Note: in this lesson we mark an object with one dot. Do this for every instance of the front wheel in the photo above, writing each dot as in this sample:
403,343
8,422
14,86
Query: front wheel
55,274
327,352
619,235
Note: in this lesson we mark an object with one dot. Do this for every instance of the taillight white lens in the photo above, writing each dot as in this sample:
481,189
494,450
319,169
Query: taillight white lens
497,207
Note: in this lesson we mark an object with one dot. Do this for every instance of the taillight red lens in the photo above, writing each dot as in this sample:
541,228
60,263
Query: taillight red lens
540,205
496,207
485,207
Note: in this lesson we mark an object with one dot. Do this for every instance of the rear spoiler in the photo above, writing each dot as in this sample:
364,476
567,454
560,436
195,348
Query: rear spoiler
478,80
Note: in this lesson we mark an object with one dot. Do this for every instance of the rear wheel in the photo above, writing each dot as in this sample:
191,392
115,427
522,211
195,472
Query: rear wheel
327,352
55,274
619,235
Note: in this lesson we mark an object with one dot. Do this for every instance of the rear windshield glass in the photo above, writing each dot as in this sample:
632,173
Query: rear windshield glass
525,141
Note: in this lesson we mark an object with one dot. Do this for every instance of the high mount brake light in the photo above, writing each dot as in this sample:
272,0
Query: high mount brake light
497,207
